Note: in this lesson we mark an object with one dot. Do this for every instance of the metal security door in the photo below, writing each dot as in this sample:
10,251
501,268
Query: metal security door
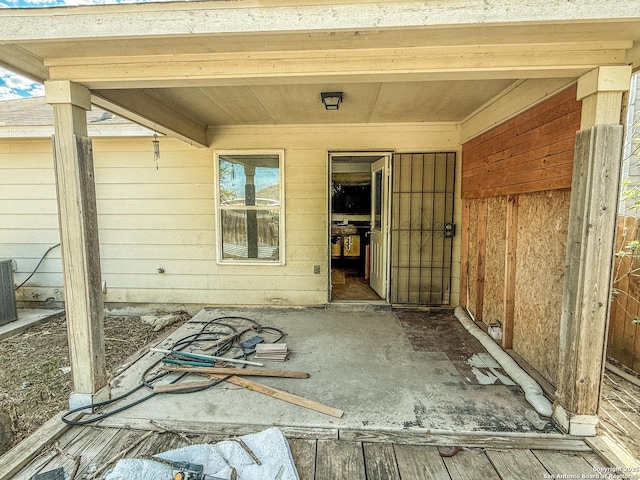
422,228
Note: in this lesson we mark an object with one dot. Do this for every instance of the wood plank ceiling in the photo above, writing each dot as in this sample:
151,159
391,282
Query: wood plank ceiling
380,102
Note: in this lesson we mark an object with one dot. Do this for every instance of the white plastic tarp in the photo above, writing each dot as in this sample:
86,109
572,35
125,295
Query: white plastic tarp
269,446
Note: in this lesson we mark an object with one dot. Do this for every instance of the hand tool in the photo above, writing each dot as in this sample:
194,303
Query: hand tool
206,358
189,363
187,470
247,372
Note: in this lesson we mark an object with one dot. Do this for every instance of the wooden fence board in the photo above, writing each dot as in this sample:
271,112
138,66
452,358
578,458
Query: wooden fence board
623,343
619,297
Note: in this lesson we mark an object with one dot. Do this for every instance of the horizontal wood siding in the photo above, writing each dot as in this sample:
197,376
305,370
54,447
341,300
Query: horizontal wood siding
514,258
164,218
29,216
532,152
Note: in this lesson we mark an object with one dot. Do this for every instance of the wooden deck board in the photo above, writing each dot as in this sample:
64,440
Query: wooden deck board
324,459
417,462
470,465
339,459
557,463
82,449
121,441
14,460
36,466
304,456
594,460
517,464
40,462
157,443
380,461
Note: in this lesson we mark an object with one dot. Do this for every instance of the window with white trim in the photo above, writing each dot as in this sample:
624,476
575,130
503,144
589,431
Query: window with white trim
250,206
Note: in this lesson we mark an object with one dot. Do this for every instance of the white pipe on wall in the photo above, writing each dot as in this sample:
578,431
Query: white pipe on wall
532,391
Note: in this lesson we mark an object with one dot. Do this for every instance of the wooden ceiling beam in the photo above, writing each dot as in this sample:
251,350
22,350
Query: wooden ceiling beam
381,64
22,62
145,109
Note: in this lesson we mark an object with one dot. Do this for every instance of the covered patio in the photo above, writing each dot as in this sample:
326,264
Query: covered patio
415,78
399,372
418,397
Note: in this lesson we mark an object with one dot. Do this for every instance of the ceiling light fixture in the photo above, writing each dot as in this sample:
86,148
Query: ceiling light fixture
331,100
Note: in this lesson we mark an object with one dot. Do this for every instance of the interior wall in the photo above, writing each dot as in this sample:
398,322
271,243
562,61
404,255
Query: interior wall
515,188
157,225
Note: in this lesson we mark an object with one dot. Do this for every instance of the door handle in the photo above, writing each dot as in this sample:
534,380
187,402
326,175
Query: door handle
449,230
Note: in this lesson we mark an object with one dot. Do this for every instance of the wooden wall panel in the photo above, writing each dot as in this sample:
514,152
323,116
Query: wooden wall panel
475,253
494,278
532,152
542,238
515,248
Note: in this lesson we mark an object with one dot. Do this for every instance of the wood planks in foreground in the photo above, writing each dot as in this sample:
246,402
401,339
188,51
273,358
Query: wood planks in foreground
324,459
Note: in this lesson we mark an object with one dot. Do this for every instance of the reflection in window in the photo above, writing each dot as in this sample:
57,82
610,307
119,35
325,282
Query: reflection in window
249,190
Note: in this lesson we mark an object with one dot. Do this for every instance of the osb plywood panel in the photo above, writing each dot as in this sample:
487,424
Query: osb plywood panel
542,236
475,206
532,152
493,307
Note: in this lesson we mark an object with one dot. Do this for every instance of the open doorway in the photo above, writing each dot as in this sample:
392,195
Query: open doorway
359,226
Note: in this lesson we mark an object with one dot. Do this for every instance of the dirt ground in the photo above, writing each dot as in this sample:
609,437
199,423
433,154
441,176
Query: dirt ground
35,381
35,378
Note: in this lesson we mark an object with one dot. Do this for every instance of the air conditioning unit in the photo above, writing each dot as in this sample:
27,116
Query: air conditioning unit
8,310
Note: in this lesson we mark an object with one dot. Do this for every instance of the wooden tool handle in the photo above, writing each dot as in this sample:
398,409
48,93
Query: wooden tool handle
248,372
179,387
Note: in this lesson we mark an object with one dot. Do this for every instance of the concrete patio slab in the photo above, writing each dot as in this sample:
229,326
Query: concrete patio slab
359,360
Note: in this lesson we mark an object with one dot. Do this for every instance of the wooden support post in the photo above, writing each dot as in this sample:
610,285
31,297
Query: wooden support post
510,271
73,161
464,253
587,281
481,242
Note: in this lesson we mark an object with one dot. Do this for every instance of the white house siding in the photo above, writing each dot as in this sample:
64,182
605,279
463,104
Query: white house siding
29,216
164,218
